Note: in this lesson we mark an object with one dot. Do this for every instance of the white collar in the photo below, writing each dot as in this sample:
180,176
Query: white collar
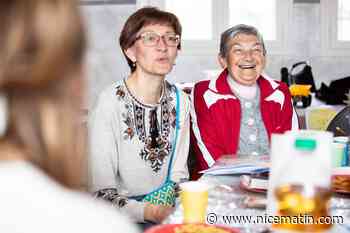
247,92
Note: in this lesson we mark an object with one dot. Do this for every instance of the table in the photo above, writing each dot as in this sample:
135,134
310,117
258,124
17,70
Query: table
226,198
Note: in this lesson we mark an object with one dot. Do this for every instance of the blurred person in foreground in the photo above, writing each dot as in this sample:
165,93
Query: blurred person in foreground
42,45
237,112
139,129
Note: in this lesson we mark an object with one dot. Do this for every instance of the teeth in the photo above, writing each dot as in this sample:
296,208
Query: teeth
246,66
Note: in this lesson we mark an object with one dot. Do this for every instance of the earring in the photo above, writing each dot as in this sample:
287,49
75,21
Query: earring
134,64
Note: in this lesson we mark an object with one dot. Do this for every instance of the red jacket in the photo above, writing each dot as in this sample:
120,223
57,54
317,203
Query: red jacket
217,112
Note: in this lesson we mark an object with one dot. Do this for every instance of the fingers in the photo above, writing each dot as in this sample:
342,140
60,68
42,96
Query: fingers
157,213
165,212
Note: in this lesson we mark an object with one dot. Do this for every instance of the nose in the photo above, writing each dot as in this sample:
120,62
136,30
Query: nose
161,45
248,55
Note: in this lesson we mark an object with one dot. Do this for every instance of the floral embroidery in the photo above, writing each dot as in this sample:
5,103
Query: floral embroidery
120,92
111,195
154,152
129,132
157,154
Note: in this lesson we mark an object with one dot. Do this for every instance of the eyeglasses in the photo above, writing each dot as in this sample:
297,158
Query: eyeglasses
151,39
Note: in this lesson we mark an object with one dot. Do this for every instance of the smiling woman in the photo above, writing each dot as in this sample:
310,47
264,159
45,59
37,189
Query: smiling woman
237,112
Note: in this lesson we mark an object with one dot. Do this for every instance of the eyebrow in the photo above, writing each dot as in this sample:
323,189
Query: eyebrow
238,44
167,32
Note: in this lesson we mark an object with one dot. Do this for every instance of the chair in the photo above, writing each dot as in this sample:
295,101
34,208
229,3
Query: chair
340,124
318,117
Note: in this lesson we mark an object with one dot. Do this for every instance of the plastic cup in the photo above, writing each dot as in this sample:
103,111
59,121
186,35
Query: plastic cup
345,141
338,151
194,200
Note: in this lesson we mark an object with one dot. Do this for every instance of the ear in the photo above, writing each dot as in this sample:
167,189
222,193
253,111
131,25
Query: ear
222,61
130,53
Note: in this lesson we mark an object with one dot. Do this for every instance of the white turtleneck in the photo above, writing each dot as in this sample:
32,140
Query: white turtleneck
247,92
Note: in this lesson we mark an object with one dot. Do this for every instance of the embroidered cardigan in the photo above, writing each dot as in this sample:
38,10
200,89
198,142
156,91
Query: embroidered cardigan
216,116
121,157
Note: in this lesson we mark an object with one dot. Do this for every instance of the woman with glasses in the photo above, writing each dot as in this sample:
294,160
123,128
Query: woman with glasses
139,130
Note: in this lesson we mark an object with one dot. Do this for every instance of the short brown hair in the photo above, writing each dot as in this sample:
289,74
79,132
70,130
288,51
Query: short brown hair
141,18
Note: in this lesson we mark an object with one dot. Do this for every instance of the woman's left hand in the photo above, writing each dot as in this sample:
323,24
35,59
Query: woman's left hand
157,213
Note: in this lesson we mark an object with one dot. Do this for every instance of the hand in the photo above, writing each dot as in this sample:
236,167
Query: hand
157,213
177,190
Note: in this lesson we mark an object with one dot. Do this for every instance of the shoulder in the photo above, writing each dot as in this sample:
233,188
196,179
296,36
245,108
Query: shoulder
111,91
92,216
110,96
201,86
274,91
270,85
177,91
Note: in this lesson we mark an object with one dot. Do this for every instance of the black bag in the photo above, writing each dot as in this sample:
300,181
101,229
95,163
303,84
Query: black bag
304,76
336,92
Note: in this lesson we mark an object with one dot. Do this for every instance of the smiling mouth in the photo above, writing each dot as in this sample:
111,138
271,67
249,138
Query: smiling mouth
247,66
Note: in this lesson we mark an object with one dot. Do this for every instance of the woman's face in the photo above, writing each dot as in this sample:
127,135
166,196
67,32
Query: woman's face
245,59
153,54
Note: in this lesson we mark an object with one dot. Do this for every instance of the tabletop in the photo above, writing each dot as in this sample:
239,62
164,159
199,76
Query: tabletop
230,205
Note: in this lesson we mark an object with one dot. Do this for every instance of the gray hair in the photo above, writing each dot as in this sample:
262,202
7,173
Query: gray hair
233,32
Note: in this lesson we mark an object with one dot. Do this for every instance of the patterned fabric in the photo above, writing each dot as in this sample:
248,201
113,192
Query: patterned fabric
165,195
156,148
114,158
111,195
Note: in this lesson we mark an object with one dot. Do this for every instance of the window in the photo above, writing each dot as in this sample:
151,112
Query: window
261,14
204,20
194,28
335,24
344,20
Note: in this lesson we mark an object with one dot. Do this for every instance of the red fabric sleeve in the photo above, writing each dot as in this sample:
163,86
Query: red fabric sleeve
205,136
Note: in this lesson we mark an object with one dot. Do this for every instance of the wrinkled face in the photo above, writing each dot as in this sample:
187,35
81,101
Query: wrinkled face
155,50
245,60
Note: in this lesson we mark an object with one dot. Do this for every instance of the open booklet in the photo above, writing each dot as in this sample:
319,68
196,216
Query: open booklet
229,165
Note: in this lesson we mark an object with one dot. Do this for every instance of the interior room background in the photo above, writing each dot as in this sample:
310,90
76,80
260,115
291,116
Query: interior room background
307,37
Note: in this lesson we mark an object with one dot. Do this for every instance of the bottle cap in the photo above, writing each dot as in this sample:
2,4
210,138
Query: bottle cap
305,144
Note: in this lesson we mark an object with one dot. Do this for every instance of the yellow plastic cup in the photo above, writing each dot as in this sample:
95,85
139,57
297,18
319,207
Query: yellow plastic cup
194,200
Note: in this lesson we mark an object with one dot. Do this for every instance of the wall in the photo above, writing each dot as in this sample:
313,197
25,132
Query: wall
105,62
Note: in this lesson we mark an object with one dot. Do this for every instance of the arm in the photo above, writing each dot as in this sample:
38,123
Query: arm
288,112
103,158
180,169
207,147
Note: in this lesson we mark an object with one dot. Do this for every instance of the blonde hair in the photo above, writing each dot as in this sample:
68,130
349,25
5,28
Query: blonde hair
42,45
